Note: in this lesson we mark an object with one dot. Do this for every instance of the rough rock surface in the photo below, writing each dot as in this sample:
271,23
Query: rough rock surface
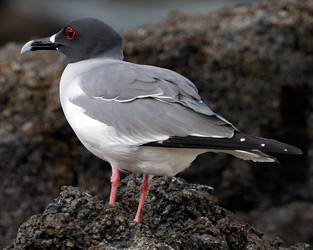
252,64
177,215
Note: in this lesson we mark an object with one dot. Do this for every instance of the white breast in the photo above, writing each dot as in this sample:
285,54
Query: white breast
94,135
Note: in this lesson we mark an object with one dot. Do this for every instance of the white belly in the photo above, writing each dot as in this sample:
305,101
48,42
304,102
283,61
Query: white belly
157,160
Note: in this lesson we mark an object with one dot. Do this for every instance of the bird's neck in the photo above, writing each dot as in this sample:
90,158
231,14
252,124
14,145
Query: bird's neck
114,53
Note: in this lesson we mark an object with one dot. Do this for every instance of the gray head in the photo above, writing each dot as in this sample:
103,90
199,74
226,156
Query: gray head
81,39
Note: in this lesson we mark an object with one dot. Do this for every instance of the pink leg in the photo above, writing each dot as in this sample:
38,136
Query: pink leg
115,180
144,187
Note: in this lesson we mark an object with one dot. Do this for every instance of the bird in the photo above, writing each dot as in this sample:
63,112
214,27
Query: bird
140,118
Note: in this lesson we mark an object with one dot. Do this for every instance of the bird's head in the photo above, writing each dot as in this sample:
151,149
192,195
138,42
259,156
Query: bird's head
81,39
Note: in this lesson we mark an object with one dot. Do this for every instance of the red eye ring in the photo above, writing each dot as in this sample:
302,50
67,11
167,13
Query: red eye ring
70,33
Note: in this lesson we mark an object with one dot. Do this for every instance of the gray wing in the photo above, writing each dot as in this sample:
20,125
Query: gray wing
147,102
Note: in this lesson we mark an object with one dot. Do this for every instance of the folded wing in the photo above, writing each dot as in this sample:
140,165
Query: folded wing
150,106
147,103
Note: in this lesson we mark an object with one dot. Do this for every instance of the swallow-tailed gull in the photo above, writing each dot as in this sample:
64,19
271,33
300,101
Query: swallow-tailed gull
139,118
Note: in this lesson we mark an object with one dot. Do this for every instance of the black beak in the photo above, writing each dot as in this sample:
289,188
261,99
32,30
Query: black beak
40,44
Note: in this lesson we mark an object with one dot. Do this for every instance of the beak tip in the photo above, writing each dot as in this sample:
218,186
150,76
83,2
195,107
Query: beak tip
27,47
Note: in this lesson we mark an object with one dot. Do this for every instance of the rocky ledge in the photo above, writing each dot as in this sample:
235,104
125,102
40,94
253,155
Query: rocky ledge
176,215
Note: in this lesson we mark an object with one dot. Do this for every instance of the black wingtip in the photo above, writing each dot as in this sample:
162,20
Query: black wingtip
299,151
288,149
239,141
267,145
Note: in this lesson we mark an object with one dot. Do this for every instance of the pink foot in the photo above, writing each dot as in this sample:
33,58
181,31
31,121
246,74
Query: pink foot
115,180
144,187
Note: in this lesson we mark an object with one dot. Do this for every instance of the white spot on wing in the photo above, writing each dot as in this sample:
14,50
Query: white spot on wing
285,149
263,145
242,139
52,39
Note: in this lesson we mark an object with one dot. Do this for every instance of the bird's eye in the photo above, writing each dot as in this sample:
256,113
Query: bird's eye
70,33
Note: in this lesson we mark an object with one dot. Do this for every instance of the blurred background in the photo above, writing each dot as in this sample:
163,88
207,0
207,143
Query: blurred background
252,62
46,16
